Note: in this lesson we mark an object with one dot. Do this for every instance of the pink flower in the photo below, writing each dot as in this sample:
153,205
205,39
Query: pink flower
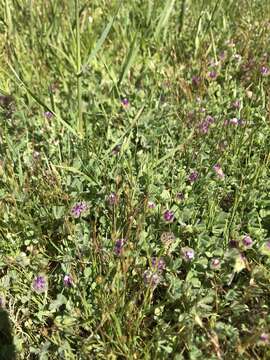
264,70
247,241
168,215
219,171
151,204
215,264
233,121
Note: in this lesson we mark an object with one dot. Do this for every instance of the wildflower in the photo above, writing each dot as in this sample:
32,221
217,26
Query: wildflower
158,264
193,176
112,198
36,154
215,264
247,241
68,282
119,244
233,121
219,171
212,75
151,278
125,102
188,253
237,57
48,115
196,80
236,104
116,149
168,215
180,196
204,125
151,204
264,70
264,337
78,209
39,284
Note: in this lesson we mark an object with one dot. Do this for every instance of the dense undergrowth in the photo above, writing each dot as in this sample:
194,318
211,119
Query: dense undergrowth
134,179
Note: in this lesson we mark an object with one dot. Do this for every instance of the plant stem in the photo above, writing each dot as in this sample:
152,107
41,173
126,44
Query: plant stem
80,126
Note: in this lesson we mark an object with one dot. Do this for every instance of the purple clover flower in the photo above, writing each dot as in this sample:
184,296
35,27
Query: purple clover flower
151,278
40,284
188,253
119,244
193,176
233,121
205,124
151,204
112,199
212,75
196,80
168,215
264,70
158,264
125,102
264,337
68,281
218,170
78,209
247,241
215,263
48,115
236,104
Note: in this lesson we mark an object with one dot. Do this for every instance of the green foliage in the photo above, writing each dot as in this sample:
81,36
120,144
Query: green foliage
108,110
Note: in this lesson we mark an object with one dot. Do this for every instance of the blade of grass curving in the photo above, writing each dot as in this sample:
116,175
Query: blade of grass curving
40,102
149,11
75,171
69,59
128,131
8,17
133,50
173,151
101,40
164,16
182,16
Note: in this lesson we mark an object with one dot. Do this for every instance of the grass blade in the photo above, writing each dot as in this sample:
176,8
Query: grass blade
164,17
129,60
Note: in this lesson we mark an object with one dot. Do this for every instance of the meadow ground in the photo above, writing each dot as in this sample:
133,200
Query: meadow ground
134,179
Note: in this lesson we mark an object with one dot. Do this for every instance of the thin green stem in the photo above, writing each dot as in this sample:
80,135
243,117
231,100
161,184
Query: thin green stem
80,126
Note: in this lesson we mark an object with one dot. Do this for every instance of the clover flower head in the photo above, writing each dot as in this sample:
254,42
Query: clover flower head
40,284
218,170
247,241
67,280
151,204
119,244
78,209
112,198
193,176
158,264
168,215
188,253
